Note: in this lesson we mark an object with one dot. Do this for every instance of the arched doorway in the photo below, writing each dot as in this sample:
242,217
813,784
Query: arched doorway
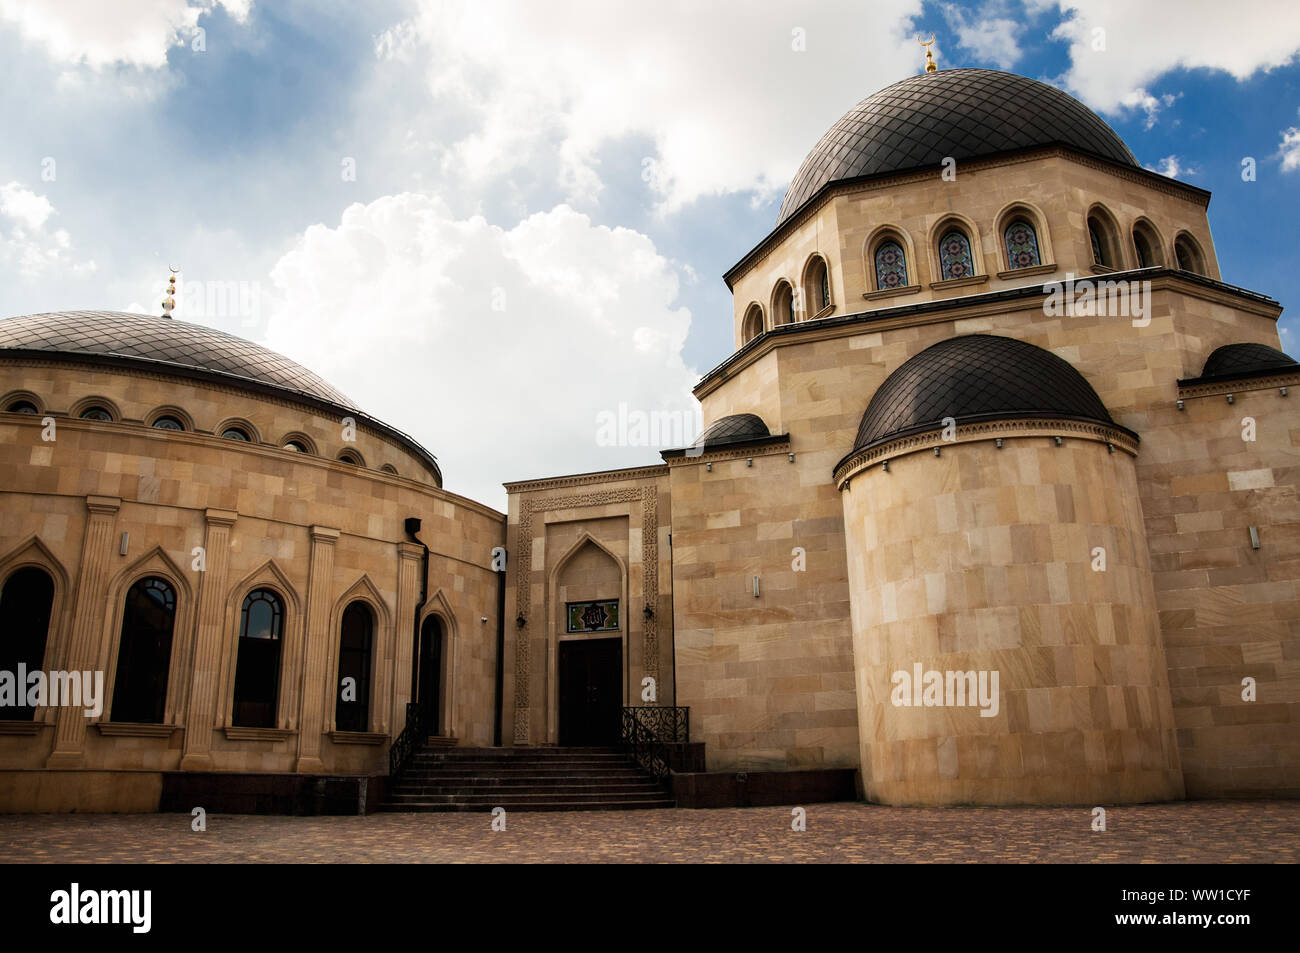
429,688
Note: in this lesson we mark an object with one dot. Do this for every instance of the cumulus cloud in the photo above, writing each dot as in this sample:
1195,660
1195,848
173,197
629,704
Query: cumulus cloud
990,33
728,102
1119,48
1172,166
498,349
25,242
95,33
1290,149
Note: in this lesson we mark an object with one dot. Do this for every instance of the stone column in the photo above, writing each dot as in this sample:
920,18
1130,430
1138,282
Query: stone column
317,643
87,625
409,563
200,713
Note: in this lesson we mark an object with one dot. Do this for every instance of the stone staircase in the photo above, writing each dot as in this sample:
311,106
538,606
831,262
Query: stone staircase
442,778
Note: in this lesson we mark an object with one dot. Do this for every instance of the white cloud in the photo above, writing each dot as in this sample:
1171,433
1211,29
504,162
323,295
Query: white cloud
725,100
97,33
26,244
1143,41
1172,166
496,348
1290,149
987,33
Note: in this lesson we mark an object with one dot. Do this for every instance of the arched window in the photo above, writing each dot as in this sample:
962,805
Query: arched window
235,433
295,447
352,710
95,413
22,407
1101,238
389,468
144,653
1188,255
350,456
257,671
783,304
891,266
25,607
168,423
955,259
817,286
1147,246
1022,245
752,326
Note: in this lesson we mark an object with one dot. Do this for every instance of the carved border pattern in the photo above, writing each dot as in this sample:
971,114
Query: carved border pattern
649,498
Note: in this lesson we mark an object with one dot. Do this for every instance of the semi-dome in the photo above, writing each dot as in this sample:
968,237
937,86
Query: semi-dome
963,113
1244,359
166,344
976,377
735,428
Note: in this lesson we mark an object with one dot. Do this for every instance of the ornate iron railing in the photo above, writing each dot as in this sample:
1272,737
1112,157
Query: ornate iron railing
648,732
408,742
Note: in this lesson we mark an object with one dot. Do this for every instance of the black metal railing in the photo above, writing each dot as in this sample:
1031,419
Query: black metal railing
409,741
649,732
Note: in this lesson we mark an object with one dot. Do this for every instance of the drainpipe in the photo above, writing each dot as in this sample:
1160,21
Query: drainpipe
672,614
412,529
501,656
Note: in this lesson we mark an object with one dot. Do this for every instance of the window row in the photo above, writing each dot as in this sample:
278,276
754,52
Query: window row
95,408
145,651
1023,245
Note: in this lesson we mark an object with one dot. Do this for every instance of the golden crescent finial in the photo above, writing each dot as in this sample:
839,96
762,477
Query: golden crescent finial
930,65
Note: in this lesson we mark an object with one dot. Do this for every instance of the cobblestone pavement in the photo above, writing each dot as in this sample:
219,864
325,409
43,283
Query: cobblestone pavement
1199,831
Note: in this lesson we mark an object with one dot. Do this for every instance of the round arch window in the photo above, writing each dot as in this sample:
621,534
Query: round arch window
22,407
234,433
294,446
347,456
96,413
168,423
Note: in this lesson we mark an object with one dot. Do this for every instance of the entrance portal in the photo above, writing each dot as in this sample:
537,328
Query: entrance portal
590,690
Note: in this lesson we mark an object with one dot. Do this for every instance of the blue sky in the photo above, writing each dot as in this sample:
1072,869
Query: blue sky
544,196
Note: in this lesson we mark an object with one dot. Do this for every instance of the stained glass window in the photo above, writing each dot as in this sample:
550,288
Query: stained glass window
593,616
1022,245
955,259
168,423
891,266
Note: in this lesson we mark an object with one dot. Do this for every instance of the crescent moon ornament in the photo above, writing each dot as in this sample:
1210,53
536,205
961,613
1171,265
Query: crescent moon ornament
930,65
925,43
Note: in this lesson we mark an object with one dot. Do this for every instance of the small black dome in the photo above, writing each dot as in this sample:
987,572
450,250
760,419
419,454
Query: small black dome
1242,359
737,428
976,377
962,113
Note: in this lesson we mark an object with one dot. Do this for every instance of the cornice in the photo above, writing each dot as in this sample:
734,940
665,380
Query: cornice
1009,429
652,472
1196,387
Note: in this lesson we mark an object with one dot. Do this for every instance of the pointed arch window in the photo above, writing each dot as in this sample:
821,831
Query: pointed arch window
1022,245
955,259
144,652
891,266
257,671
352,708
26,604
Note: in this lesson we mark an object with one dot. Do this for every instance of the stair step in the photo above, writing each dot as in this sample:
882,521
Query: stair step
425,808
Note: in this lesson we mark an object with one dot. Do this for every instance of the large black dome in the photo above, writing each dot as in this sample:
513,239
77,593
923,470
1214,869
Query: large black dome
1244,359
963,113
976,377
166,343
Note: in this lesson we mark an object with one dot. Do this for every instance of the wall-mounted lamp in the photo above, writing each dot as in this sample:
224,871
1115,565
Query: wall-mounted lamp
936,451
1283,394
997,442
749,462
1282,390
126,541
1254,537
1059,441
1110,448
885,466
708,467
1180,405
1231,399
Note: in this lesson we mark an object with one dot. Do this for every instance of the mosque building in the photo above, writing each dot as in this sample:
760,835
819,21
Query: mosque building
996,503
